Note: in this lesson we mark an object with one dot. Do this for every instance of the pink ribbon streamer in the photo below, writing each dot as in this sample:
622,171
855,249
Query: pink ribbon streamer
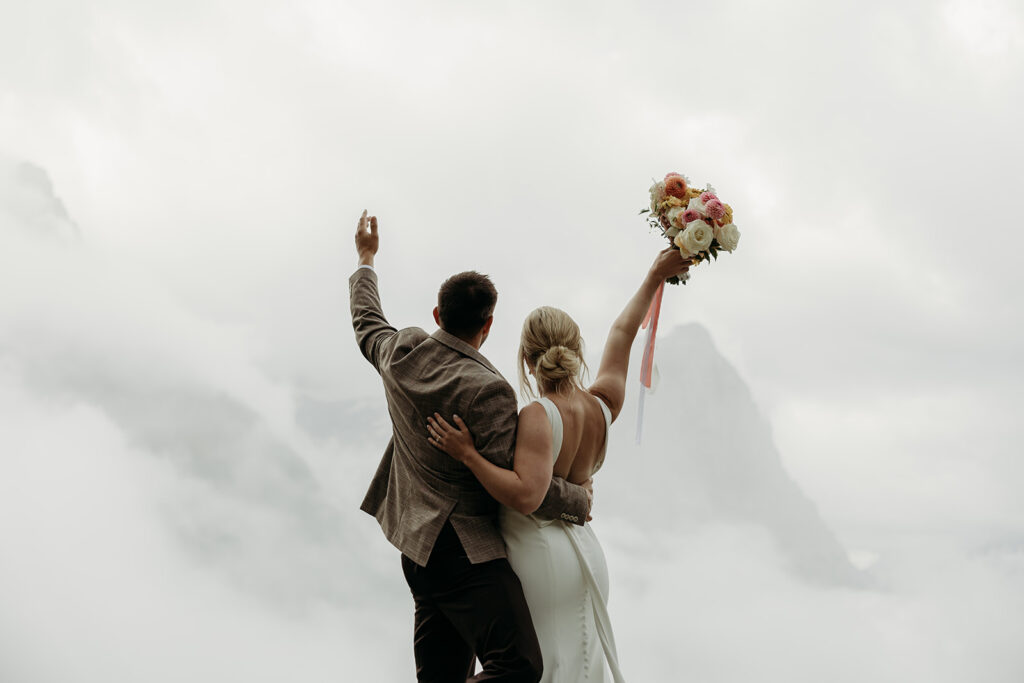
653,313
647,365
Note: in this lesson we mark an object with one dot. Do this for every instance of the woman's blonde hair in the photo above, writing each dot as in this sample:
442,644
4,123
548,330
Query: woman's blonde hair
552,346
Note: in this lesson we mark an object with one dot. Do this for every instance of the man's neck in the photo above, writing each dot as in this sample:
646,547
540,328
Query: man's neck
477,341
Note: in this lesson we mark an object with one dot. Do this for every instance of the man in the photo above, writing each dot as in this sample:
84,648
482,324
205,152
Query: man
468,600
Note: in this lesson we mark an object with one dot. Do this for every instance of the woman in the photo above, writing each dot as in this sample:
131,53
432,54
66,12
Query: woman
565,432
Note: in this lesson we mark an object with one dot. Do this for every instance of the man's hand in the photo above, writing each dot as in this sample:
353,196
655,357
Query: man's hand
589,486
367,241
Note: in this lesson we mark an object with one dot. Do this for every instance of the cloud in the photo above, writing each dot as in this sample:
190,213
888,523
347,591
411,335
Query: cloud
158,494
986,29
194,341
721,608
99,570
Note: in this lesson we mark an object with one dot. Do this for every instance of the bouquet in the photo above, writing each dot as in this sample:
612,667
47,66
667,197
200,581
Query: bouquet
694,220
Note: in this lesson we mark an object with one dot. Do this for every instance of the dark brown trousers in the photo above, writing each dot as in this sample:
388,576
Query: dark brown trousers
466,611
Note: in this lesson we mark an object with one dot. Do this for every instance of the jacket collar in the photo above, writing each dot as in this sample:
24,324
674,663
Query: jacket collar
453,342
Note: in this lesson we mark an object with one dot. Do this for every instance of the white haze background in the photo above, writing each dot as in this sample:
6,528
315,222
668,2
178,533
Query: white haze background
829,483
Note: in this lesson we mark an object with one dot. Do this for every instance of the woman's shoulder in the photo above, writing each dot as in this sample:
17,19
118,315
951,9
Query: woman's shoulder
542,411
534,410
535,422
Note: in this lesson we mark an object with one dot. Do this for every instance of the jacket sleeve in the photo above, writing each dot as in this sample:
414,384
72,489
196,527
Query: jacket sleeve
373,332
492,420
565,501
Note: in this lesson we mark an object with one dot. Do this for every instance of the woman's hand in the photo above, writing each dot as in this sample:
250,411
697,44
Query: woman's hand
455,441
670,262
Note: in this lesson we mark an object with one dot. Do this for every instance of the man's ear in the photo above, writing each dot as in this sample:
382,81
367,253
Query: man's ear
437,316
486,329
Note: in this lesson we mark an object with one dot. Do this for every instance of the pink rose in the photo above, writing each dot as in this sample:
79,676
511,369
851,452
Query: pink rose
706,197
690,215
715,208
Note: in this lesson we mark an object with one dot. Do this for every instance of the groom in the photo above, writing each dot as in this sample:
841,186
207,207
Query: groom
468,600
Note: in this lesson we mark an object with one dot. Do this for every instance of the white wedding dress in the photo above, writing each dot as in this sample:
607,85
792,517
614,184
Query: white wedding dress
565,579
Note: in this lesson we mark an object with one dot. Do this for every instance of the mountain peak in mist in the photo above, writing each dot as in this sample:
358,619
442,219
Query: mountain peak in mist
708,455
28,199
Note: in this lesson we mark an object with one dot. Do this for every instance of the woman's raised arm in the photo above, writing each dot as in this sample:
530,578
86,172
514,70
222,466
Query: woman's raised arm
610,385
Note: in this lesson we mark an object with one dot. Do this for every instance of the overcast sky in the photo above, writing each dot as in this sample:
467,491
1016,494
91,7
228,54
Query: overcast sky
215,156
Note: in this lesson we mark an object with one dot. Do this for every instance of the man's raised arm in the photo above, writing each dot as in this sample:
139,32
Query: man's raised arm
371,327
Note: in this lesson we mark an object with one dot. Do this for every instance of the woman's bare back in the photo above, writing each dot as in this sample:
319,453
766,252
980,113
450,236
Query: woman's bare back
583,435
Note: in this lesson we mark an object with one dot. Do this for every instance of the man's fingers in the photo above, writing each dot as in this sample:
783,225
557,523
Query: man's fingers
361,226
373,224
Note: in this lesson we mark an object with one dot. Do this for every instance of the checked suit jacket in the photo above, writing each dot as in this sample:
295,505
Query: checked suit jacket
417,488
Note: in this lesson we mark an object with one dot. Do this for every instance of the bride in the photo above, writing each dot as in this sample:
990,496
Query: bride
563,433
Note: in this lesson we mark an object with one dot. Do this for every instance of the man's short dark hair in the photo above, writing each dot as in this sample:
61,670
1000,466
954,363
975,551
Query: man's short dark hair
465,302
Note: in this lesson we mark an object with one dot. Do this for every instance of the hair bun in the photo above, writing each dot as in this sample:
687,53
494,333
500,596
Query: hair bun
557,363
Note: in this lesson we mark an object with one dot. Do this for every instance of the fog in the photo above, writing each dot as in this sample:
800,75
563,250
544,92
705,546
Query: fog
828,481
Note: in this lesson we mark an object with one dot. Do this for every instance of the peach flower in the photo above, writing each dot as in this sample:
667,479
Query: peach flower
675,186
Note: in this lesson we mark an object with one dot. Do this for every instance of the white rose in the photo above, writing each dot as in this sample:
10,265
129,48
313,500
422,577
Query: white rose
678,241
672,232
697,205
657,195
728,236
696,237
675,216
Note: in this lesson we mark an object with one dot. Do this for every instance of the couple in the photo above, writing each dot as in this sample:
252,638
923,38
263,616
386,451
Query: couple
489,510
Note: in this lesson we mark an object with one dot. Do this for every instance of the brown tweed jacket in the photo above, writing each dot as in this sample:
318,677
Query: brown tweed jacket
417,487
